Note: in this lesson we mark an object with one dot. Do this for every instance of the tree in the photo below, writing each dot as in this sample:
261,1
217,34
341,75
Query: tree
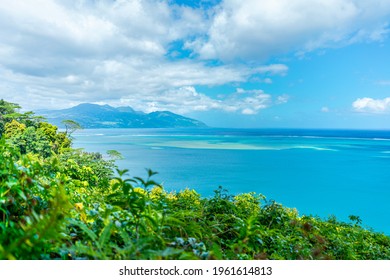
29,118
114,155
7,109
71,126
36,142
36,137
13,129
58,140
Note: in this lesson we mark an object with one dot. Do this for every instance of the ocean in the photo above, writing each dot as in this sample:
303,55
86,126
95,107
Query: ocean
318,172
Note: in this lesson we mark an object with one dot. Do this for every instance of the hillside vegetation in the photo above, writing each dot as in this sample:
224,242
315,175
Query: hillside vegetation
105,116
61,203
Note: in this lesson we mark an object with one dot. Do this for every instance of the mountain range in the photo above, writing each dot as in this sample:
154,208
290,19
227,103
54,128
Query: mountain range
104,116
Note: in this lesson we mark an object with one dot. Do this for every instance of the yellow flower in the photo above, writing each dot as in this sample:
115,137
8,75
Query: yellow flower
79,206
140,190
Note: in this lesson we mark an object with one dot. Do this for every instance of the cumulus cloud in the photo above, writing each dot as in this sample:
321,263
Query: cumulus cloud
273,69
187,99
112,79
253,29
370,105
32,30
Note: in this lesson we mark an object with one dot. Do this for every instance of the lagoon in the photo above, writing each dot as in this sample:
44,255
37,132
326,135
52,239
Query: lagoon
318,172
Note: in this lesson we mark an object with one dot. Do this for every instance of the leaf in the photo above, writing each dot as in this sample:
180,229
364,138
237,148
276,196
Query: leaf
151,183
85,229
139,179
170,252
151,220
217,251
126,188
151,173
122,172
105,235
125,237
21,194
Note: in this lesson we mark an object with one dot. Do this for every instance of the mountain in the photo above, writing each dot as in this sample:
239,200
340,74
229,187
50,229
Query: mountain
104,116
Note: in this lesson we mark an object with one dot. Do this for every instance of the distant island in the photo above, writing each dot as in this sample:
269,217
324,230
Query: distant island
104,116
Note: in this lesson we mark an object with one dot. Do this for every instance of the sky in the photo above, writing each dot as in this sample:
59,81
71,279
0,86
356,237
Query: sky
229,63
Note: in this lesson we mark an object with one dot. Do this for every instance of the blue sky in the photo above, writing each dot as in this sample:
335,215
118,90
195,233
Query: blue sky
232,63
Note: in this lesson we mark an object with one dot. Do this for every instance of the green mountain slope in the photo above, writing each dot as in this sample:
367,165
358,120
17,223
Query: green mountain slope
105,116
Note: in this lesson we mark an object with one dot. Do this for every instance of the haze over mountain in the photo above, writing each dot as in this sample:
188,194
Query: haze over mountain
104,116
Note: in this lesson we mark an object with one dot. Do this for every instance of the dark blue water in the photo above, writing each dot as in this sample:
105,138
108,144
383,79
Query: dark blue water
319,172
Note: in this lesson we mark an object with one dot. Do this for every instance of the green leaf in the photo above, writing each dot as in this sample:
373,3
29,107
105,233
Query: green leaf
105,235
85,229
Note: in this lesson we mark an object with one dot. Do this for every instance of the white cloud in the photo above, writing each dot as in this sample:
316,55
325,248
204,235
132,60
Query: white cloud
186,99
273,69
370,105
282,99
96,81
325,109
95,28
253,29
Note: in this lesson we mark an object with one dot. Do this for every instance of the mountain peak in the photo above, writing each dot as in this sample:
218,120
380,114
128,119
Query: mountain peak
105,116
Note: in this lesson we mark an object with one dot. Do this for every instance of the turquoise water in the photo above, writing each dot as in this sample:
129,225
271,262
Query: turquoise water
319,172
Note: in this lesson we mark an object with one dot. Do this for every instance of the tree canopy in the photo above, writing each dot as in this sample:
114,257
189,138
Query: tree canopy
71,126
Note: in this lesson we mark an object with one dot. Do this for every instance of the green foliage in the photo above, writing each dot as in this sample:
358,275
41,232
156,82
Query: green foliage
14,129
10,111
71,126
115,155
29,133
58,140
60,203
86,169
27,140
7,109
31,207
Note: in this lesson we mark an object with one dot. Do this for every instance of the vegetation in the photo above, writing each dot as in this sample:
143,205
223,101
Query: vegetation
105,116
60,203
